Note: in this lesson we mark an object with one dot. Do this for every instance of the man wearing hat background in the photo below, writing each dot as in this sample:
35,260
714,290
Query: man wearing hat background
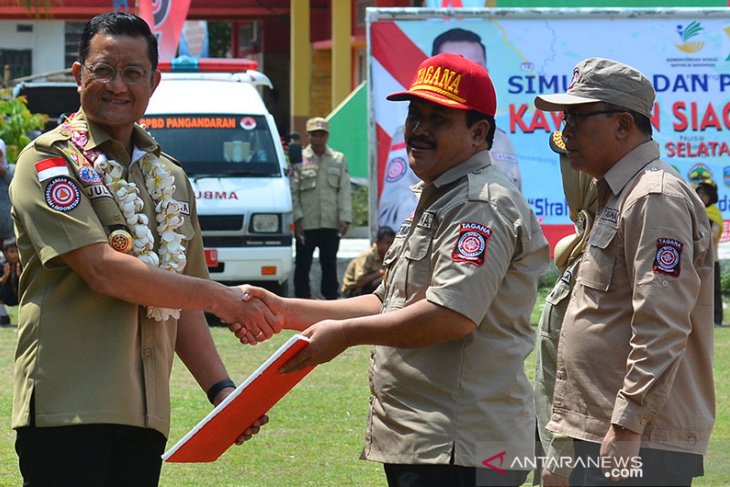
451,404
320,187
634,378
6,220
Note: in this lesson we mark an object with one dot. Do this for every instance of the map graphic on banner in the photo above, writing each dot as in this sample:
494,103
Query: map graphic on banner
686,54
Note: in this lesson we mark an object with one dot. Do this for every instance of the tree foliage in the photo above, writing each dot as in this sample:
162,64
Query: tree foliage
16,122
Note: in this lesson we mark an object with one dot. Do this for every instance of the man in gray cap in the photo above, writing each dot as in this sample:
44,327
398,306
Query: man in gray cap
643,295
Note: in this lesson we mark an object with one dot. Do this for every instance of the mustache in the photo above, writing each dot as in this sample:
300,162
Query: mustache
426,141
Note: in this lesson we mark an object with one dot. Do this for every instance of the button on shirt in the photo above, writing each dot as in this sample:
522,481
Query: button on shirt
320,188
468,397
636,345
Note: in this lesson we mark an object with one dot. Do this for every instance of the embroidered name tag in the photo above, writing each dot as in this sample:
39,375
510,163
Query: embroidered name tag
48,168
62,194
427,219
471,246
668,256
610,214
97,191
182,206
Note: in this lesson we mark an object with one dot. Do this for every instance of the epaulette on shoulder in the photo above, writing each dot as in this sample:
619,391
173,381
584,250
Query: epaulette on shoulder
478,186
654,179
46,140
171,159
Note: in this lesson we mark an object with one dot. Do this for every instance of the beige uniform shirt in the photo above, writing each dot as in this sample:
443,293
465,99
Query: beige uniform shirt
86,357
362,265
636,345
475,247
321,190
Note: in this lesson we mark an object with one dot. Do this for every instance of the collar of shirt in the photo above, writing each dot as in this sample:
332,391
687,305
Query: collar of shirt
629,165
308,152
477,161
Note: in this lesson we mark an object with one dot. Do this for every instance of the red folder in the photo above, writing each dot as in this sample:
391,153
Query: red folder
215,433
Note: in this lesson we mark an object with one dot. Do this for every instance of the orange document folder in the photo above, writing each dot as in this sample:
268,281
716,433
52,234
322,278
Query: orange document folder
215,433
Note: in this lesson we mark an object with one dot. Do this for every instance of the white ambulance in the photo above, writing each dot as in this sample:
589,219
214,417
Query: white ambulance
211,118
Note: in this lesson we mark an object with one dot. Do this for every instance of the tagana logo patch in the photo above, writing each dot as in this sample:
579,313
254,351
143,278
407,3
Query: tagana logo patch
688,35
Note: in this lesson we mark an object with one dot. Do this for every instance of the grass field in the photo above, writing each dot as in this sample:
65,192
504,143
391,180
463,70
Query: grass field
316,432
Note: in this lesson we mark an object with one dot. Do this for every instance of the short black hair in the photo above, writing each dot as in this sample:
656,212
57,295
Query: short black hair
473,116
383,232
642,121
457,35
118,24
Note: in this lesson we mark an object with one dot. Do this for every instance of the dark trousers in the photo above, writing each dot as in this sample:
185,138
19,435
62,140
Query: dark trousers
718,295
328,242
90,455
401,475
659,467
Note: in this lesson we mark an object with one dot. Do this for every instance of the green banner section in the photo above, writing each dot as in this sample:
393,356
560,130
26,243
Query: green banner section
349,133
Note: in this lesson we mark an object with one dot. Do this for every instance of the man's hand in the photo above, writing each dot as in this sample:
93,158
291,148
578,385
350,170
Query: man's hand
299,231
550,479
254,429
252,330
620,446
342,230
250,319
327,339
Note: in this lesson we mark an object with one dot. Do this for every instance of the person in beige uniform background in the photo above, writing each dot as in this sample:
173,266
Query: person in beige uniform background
365,272
634,378
451,404
580,193
105,300
320,187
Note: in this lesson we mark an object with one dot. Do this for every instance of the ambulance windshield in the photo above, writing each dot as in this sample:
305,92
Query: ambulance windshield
221,145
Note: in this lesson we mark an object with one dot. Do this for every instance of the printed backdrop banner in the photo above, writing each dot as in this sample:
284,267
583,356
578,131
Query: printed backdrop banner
165,18
685,53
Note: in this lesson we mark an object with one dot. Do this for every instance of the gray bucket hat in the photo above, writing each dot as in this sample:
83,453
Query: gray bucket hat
603,80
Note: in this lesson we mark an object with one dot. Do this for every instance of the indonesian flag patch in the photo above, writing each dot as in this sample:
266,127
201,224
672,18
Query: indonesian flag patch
668,256
49,168
471,246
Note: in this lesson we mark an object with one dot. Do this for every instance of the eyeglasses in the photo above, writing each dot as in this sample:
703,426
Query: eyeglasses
570,119
131,75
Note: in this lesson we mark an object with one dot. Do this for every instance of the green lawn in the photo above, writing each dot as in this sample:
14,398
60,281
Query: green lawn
316,432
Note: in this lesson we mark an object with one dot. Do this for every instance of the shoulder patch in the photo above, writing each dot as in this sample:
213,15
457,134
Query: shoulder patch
478,186
471,244
668,257
48,168
62,194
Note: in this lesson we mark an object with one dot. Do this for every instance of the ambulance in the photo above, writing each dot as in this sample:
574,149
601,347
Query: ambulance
209,115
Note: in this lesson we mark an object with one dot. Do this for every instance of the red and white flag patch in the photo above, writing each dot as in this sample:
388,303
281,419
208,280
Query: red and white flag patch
49,168
471,246
668,256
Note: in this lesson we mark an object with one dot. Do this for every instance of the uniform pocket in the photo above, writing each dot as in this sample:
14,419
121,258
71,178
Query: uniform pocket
308,178
333,177
418,247
597,263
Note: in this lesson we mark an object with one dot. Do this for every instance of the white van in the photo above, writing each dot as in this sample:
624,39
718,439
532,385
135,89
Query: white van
217,126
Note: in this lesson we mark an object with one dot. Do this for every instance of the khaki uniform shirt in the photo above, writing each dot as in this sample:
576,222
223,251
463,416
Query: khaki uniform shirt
475,247
636,345
362,265
88,358
321,190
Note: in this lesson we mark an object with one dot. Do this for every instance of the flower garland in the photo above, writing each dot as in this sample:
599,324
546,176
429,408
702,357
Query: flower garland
160,185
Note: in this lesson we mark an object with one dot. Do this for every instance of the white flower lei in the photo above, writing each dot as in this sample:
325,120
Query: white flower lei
160,186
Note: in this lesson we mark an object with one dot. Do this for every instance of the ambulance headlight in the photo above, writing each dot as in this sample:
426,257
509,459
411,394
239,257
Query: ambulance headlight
265,223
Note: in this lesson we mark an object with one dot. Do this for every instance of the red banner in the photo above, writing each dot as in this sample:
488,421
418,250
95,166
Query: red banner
166,19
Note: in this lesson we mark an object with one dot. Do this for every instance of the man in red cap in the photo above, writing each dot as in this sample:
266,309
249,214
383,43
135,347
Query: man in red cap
451,404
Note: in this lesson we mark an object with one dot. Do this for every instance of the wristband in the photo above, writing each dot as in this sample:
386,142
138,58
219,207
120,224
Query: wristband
217,387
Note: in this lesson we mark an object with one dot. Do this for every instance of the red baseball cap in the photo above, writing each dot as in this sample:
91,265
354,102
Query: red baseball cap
453,81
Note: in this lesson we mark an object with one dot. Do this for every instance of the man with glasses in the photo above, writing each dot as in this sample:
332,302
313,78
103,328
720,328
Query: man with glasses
634,379
114,281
